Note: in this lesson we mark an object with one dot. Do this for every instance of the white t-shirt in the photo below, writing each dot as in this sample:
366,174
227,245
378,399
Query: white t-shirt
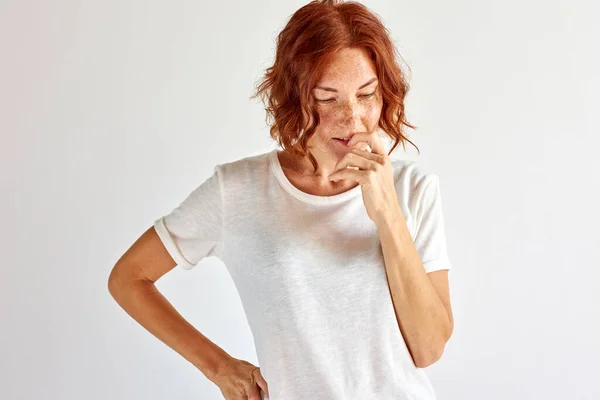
311,276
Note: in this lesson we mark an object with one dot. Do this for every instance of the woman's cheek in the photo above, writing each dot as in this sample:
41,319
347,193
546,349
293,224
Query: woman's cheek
328,117
375,112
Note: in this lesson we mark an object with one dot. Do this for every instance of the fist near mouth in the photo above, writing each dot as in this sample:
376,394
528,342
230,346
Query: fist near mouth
361,146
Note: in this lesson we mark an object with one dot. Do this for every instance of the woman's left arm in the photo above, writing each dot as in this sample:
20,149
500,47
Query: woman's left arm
421,300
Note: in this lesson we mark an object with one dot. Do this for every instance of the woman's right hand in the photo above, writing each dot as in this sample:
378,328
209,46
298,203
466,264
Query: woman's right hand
240,380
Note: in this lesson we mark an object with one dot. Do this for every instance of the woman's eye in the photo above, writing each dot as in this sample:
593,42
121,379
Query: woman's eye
329,100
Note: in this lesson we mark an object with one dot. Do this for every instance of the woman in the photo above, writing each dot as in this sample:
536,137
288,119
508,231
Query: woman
338,253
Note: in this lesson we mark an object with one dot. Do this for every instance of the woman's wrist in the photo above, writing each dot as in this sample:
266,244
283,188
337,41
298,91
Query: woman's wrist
212,370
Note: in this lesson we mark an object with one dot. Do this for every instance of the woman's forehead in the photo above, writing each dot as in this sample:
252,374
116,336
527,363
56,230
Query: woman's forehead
350,68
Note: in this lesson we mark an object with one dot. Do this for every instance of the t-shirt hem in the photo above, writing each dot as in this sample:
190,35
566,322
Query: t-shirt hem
437,265
167,240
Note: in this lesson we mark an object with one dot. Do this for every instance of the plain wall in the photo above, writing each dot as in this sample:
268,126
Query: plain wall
111,112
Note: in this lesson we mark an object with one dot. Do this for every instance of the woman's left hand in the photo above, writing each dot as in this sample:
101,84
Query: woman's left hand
374,174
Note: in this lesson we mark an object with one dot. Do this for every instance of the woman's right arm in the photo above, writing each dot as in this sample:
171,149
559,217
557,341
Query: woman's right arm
131,284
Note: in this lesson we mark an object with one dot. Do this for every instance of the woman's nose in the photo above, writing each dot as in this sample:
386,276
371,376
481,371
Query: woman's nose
349,113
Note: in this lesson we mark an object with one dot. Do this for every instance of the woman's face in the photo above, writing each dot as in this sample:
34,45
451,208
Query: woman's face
348,101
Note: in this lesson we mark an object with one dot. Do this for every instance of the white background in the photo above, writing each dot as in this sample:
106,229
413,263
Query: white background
111,112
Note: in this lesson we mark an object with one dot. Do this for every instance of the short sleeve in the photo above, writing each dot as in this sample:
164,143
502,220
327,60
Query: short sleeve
430,237
193,230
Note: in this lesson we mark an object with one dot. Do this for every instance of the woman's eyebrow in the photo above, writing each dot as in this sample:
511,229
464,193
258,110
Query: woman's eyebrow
335,90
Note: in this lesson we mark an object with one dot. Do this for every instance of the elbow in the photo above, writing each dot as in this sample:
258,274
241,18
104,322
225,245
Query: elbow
123,281
425,360
116,282
113,283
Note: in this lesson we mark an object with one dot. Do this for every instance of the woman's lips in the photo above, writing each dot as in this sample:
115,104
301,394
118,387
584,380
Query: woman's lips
341,143
345,143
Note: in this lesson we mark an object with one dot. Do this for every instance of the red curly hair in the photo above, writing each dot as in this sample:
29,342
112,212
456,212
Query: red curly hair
304,48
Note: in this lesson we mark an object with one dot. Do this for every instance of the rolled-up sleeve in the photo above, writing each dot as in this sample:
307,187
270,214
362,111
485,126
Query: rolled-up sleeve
430,237
194,229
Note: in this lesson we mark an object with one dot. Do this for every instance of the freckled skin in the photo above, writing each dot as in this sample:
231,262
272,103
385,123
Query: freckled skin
346,111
